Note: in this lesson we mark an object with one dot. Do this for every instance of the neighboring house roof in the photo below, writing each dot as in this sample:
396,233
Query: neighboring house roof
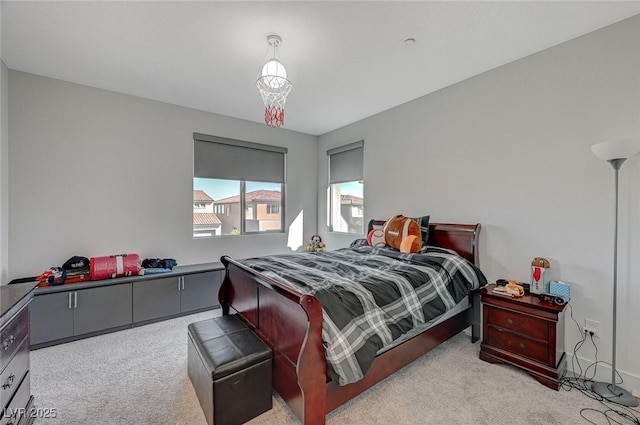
350,199
206,219
201,196
256,195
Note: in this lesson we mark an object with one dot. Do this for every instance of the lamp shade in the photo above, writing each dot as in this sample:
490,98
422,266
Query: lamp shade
616,149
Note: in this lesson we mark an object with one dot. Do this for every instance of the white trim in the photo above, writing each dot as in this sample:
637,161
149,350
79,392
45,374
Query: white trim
631,382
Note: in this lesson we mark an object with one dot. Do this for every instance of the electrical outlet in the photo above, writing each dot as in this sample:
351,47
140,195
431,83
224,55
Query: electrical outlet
592,326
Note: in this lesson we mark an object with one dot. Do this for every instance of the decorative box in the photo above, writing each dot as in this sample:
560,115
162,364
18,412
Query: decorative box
562,289
539,276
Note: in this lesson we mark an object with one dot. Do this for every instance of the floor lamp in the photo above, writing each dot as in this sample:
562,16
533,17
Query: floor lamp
615,153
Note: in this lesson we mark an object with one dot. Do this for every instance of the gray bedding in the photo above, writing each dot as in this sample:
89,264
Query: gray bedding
372,296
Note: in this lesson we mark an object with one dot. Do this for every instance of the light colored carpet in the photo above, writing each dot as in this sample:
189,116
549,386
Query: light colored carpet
139,376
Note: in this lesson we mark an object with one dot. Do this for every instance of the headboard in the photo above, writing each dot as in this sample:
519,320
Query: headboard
462,238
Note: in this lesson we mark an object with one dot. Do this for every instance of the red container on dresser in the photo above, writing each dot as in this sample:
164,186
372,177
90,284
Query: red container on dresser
113,266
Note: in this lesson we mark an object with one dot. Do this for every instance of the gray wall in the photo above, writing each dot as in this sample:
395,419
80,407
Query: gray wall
94,172
4,168
4,172
510,149
4,165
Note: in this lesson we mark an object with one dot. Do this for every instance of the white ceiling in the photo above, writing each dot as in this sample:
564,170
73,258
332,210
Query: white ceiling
347,60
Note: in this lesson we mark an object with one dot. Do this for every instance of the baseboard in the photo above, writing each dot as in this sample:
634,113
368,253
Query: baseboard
631,382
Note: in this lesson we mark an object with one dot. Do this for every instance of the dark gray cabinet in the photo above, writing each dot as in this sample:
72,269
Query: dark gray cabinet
153,299
72,313
200,291
165,297
69,312
51,317
102,308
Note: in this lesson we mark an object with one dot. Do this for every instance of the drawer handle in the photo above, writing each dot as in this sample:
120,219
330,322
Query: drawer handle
522,345
509,322
9,382
8,342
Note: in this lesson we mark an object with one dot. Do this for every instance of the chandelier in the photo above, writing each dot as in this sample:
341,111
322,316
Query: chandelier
273,85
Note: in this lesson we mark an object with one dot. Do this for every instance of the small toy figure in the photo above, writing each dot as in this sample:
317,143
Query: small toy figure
315,244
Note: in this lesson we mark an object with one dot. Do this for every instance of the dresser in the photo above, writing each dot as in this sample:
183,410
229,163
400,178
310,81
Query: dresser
15,388
524,332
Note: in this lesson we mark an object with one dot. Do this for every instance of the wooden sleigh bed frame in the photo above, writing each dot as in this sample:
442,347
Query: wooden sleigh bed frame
291,324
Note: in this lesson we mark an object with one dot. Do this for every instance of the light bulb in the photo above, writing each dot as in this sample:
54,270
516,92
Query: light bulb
274,73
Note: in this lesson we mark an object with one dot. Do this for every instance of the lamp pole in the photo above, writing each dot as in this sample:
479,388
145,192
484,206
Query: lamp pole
611,392
616,164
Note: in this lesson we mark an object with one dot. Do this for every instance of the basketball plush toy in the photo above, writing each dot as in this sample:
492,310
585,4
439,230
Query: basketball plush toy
403,233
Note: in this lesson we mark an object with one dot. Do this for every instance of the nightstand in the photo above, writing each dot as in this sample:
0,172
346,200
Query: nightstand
524,332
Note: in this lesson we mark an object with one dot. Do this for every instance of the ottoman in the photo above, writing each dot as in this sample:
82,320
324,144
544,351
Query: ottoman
230,369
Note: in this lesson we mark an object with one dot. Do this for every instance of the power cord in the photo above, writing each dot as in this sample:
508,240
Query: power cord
613,413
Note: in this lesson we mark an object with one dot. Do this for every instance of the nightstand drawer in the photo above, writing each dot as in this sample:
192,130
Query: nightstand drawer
517,344
526,325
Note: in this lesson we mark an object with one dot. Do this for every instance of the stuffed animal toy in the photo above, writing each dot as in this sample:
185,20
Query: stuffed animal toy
315,244
375,238
403,233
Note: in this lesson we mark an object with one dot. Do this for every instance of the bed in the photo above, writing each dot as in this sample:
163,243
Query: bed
290,321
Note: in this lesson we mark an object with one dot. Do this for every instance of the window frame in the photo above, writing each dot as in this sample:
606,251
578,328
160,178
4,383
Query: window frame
243,208
358,177
272,171
269,212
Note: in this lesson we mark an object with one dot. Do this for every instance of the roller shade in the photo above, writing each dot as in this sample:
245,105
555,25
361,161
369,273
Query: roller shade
345,163
221,158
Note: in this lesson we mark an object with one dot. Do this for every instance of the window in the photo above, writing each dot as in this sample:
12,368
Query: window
346,189
245,183
273,209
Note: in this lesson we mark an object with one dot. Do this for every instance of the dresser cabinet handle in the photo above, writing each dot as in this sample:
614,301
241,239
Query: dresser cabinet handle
9,382
522,345
8,342
509,322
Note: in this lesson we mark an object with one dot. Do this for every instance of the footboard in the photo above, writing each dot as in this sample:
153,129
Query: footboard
291,324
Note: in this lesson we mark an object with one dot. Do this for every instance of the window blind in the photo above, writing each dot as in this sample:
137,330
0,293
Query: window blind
345,163
221,158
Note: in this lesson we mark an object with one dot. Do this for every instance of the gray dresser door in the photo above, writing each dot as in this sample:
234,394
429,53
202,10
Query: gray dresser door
51,317
153,299
200,291
102,308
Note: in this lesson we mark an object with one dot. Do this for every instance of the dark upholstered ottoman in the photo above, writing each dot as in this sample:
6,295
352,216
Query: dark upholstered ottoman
230,369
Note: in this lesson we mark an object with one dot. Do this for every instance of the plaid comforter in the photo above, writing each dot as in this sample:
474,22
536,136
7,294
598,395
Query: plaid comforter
371,296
